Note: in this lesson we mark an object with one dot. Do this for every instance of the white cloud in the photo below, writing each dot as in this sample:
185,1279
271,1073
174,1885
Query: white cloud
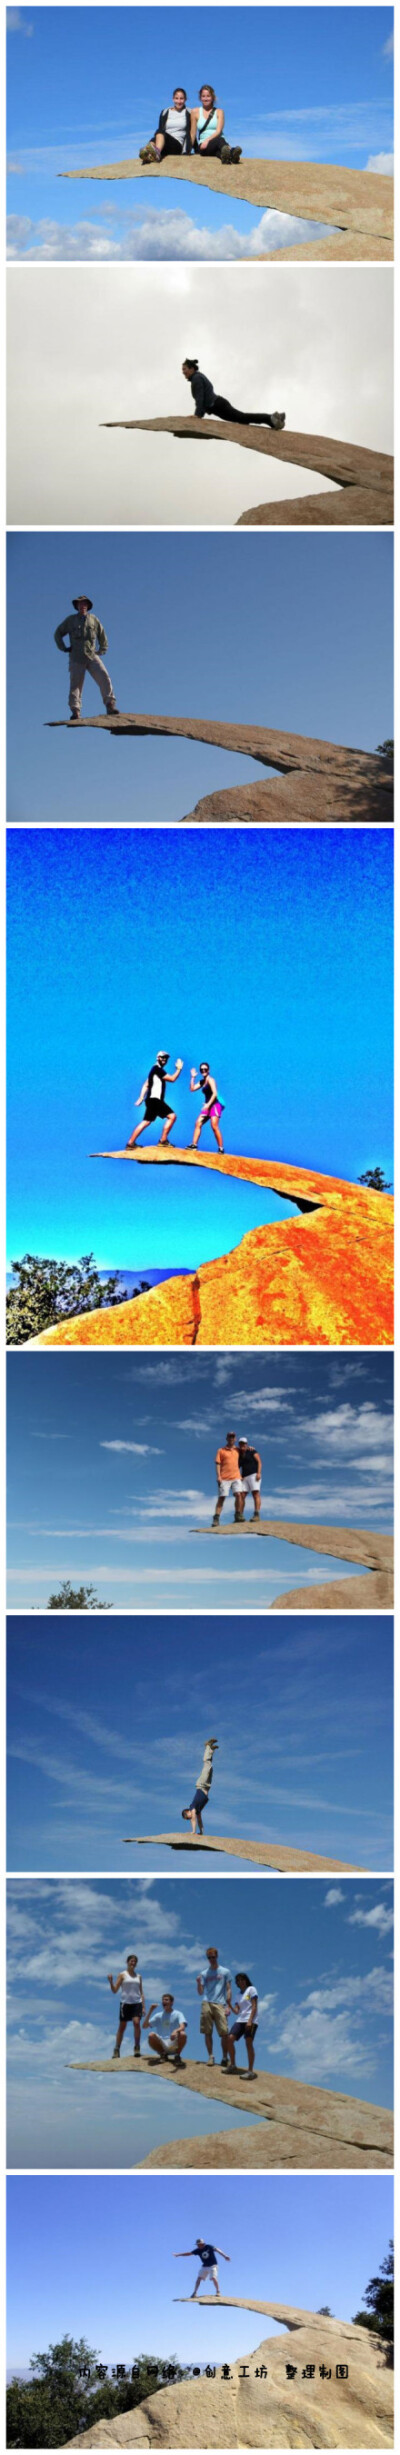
161,236
388,48
380,1917
383,163
141,1449
17,22
333,1896
354,1430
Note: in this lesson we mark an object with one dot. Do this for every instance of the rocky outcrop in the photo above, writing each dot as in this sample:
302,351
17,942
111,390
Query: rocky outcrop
280,1856
359,204
373,1591
320,781
301,2124
323,1279
259,2404
364,479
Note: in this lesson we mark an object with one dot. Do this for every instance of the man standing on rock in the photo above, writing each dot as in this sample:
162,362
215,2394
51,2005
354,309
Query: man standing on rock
167,2030
156,1105
193,1814
228,1477
85,637
215,1984
208,2254
210,404
250,1471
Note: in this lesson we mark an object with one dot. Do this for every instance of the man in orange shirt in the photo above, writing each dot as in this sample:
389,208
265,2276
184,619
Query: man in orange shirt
228,1477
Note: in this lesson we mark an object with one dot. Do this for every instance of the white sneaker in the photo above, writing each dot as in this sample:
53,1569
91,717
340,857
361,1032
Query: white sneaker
279,419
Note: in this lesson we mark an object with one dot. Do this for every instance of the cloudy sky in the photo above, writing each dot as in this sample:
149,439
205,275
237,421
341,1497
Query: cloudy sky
111,1468
323,100
106,1740
320,1956
89,344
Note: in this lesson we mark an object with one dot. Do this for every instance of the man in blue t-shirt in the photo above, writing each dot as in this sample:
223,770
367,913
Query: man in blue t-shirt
215,1984
208,2254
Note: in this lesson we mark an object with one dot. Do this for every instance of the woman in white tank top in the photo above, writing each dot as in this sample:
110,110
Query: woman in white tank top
132,2001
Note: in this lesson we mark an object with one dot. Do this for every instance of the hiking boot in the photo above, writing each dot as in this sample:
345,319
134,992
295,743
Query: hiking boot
225,154
211,2062
225,2064
111,708
75,716
147,153
279,419
215,1520
115,2054
136,2050
236,153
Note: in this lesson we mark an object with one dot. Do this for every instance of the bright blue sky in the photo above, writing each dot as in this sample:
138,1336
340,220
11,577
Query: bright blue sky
105,1740
111,1464
324,78
320,1956
329,652
121,943
77,2245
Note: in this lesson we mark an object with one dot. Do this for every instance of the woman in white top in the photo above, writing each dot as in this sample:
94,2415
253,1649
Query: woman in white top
173,134
246,2022
207,126
132,2001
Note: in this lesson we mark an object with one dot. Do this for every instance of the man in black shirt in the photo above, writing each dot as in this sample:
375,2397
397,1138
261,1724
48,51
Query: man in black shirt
208,2255
153,1094
250,1471
210,403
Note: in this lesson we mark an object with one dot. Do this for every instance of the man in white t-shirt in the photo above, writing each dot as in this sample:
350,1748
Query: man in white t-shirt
214,1983
246,2020
167,2033
132,2002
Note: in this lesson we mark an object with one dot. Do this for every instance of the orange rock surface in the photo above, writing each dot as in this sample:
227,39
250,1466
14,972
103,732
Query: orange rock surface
322,1279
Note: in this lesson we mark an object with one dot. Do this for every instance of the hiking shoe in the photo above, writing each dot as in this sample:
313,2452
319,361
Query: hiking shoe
147,153
115,2054
136,2050
225,2064
211,2062
279,419
111,709
225,154
215,1521
236,153
75,716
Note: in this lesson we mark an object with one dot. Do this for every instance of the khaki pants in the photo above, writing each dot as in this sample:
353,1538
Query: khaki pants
213,2012
78,666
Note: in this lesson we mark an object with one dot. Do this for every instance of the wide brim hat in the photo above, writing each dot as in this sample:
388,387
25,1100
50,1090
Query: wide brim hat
88,601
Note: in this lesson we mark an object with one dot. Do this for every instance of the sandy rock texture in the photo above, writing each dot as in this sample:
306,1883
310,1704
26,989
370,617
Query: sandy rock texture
282,1859
296,2120
271,2410
316,781
364,479
359,204
372,1591
323,1279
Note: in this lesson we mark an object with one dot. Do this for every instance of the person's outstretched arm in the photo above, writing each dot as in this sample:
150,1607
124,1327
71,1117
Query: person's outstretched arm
182,2254
223,2254
149,2015
173,1078
115,1983
195,1084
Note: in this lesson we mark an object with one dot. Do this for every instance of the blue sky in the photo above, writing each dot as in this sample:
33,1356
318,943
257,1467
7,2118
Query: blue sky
329,652
106,1740
118,944
78,2245
111,1465
325,81
320,1956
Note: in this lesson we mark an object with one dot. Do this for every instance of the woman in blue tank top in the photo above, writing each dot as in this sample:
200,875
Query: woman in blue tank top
207,125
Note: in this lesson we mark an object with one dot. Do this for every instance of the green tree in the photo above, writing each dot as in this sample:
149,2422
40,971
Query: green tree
49,1291
76,1598
379,2298
324,2312
376,1180
71,2388
386,749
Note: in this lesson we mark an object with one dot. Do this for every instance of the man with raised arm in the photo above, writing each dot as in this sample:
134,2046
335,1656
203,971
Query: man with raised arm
153,1095
208,2253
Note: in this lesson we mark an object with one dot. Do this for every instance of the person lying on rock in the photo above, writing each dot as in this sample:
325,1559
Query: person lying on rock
168,2030
193,1814
207,126
208,403
132,2005
174,132
85,636
208,2253
215,1984
228,1477
250,1469
156,1105
246,2022
212,1108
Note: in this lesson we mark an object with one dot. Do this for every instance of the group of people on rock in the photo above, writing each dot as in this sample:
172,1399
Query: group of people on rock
152,1095
166,2024
182,130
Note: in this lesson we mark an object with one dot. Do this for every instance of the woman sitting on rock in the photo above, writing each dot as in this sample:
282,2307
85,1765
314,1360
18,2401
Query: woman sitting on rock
174,134
207,124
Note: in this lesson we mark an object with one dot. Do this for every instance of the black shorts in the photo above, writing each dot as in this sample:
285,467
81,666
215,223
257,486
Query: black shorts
156,1108
131,2011
170,142
241,2029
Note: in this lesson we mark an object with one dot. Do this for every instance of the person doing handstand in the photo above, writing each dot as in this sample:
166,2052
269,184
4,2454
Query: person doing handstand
193,1814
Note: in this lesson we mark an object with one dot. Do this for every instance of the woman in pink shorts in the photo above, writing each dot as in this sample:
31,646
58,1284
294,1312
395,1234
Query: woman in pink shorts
212,1111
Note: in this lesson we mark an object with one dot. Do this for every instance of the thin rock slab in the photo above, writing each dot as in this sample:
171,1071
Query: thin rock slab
316,781
363,479
253,2410
358,203
280,1857
327,2120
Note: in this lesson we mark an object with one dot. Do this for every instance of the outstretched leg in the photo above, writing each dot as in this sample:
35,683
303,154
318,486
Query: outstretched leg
167,1129
139,1129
